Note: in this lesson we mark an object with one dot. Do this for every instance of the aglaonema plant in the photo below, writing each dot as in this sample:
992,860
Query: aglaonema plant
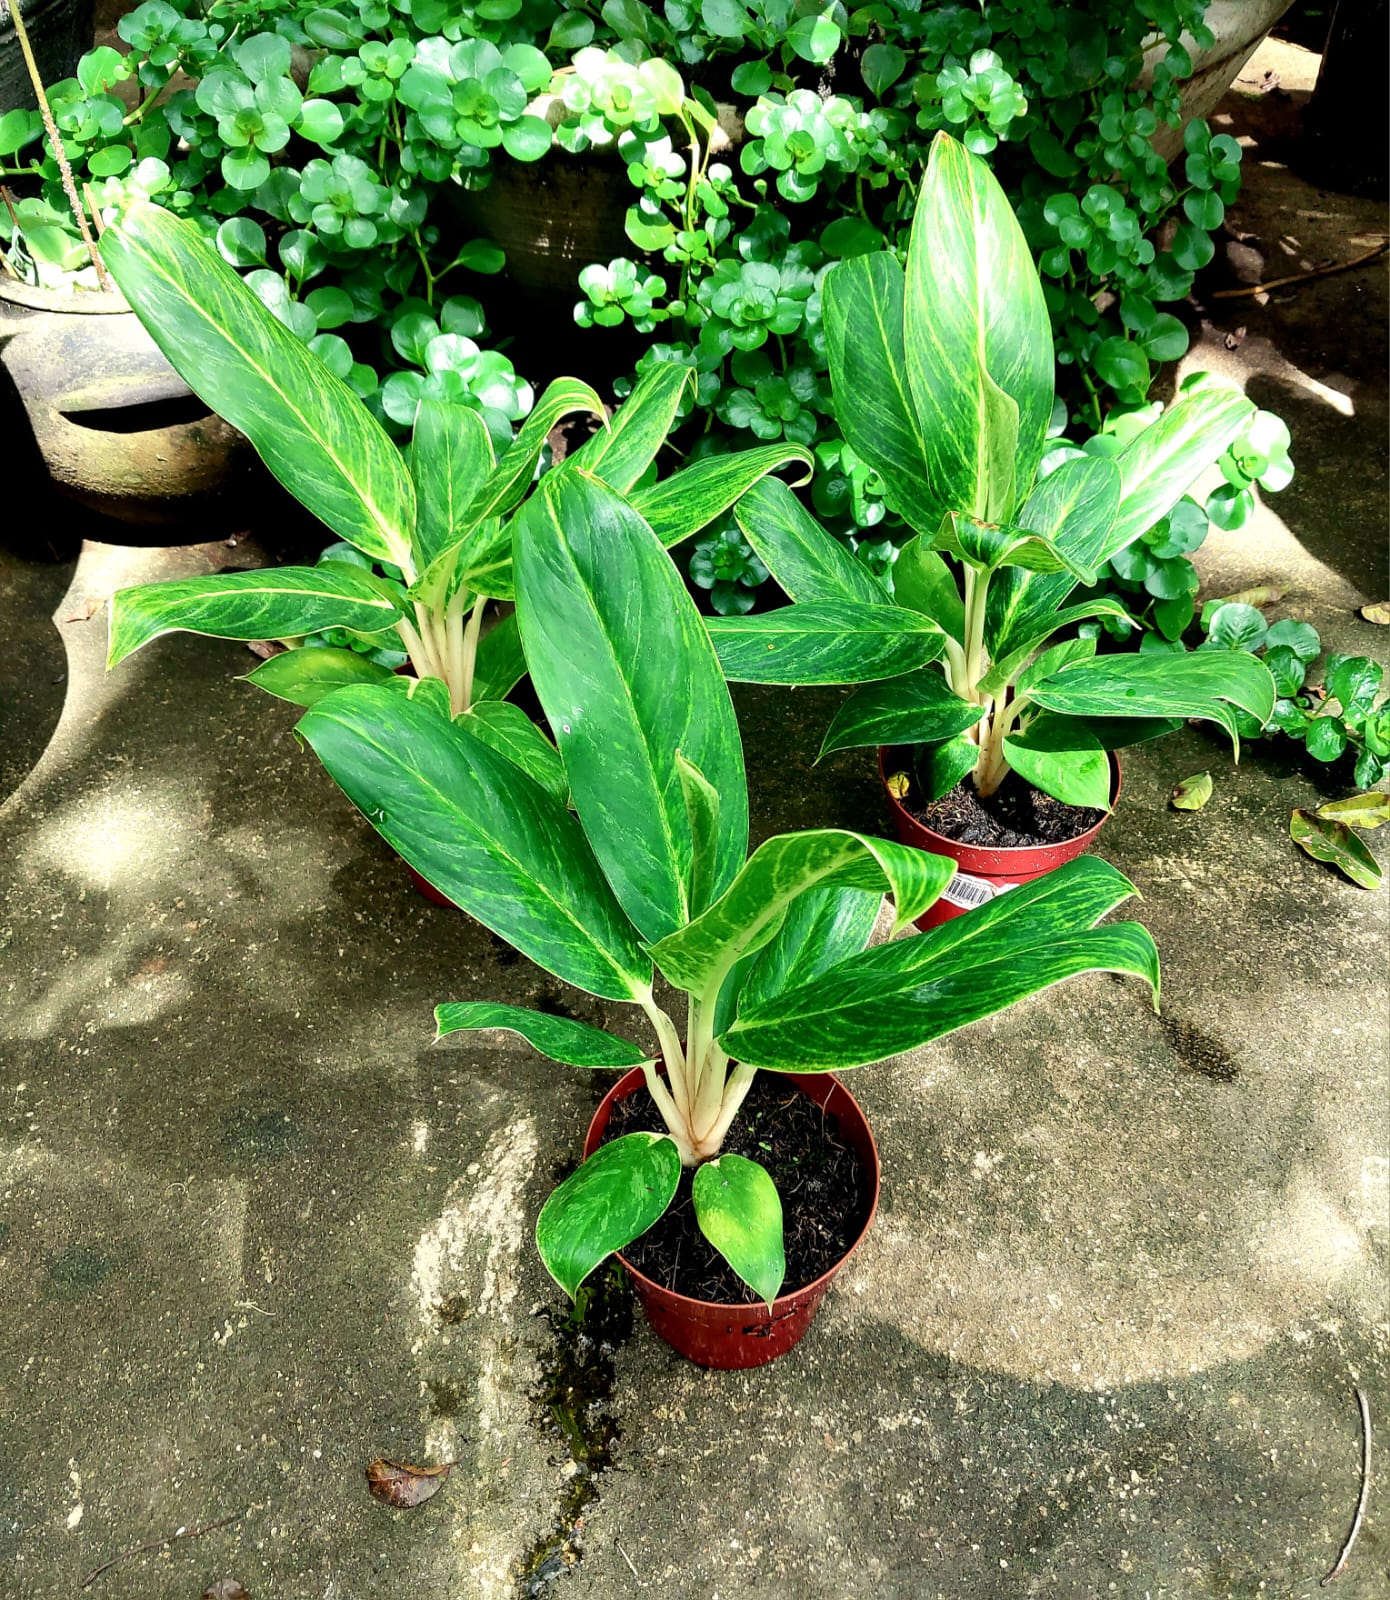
436,518
650,873
942,373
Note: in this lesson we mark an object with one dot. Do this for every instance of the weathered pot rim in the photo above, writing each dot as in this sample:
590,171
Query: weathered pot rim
632,1080
82,302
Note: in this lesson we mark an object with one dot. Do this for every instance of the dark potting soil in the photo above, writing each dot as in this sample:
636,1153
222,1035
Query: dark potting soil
826,1194
1015,814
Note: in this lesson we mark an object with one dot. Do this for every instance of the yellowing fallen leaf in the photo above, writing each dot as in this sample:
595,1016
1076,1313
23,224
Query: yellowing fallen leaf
1336,844
1379,612
1367,810
1193,793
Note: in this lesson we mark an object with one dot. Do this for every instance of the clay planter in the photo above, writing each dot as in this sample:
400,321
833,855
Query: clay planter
118,429
983,873
729,1337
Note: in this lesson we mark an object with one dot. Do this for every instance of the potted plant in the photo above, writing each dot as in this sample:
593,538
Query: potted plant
651,868
427,535
942,374
97,392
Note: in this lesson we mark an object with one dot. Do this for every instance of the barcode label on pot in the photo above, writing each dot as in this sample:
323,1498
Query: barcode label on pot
968,893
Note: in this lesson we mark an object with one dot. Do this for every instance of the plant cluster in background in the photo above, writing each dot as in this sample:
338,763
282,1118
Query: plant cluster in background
324,146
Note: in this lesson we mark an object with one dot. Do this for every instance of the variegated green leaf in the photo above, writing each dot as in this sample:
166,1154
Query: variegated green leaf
1202,683
922,580
976,331
620,453
1059,756
617,1194
824,641
809,563
785,867
821,927
481,831
1073,507
989,546
693,497
1007,668
450,455
740,1213
511,733
500,663
917,708
628,679
505,487
303,677
308,427
897,996
702,808
1160,464
576,1044
273,603
862,308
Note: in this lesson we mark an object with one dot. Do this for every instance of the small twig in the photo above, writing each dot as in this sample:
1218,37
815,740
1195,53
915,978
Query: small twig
158,1544
1303,277
1341,1566
94,208
626,1557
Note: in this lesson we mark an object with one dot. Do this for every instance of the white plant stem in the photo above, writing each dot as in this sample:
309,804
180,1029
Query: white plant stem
468,650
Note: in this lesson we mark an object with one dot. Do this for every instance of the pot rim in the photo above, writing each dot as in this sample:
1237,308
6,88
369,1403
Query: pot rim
79,302
1012,852
634,1078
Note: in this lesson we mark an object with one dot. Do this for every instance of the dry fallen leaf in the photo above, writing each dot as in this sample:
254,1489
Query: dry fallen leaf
265,648
898,785
1263,594
1336,844
402,1486
1379,612
225,1589
1236,339
88,609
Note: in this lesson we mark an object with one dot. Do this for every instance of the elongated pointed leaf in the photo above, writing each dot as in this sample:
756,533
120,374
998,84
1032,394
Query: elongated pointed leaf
500,663
628,678
693,497
740,1213
922,580
1074,508
898,996
565,1039
1007,668
620,453
511,733
1367,810
303,677
821,927
917,708
1202,683
702,809
992,545
478,564
809,563
274,603
1158,466
824,641
308,427
1060,756
505,487
786,866
617,1194
974,323
481,831
862,308
450,455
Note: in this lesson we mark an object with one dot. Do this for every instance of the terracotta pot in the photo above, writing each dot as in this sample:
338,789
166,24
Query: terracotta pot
983,873
118,429
729,1337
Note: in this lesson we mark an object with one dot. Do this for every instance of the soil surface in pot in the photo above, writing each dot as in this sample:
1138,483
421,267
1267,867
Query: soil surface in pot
1015,814
826,1196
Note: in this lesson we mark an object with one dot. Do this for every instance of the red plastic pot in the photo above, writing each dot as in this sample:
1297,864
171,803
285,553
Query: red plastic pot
729,1337
983,873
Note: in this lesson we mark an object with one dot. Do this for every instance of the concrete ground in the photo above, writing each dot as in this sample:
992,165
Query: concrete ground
255,1230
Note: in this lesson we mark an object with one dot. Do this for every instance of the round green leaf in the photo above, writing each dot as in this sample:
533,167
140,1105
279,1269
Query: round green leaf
1237,627
739,1212
617,1194
242,242
526,139
882,66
